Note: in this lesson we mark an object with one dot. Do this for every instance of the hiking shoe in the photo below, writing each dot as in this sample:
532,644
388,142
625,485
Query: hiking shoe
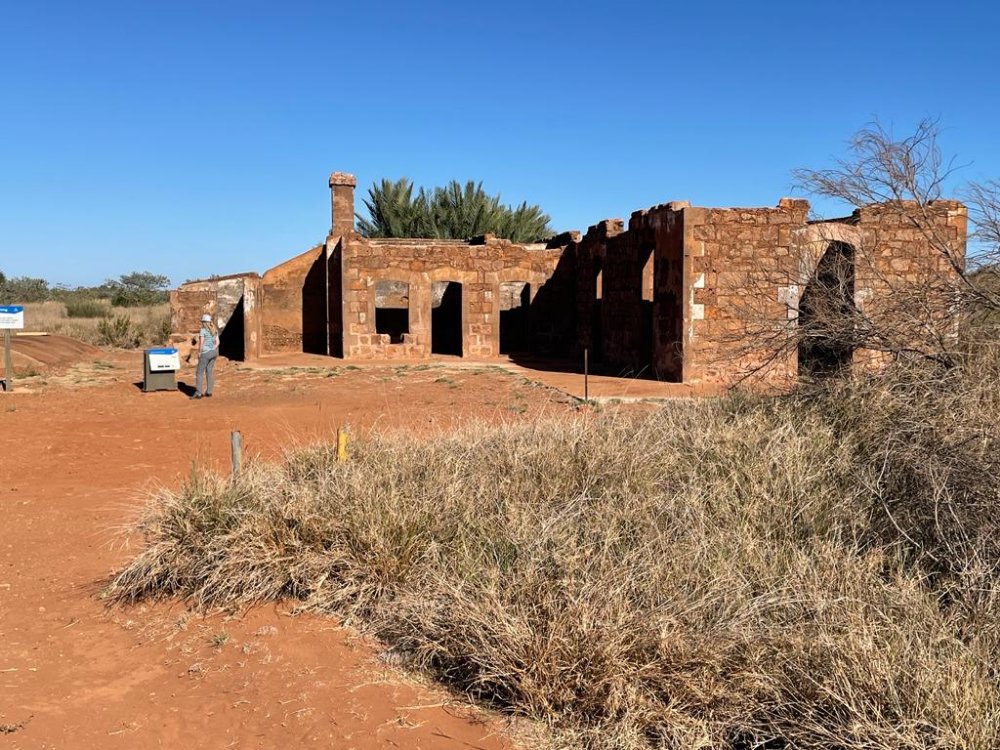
197,395
208,395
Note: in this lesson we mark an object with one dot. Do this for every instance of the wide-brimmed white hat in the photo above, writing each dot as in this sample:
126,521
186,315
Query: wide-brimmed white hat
206,318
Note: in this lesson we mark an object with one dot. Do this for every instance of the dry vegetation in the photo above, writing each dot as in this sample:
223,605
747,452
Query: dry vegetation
96,322
812,572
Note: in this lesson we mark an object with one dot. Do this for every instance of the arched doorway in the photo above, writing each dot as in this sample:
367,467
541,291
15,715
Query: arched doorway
826,315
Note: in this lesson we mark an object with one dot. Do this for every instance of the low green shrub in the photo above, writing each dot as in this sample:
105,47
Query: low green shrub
86,308
119,331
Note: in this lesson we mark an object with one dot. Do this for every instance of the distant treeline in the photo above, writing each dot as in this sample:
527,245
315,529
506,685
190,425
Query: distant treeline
134,289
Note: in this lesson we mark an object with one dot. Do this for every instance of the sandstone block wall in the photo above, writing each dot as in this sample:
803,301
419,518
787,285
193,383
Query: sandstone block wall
727,284
232,301
743,264
294,304
415,269
692,294
905,253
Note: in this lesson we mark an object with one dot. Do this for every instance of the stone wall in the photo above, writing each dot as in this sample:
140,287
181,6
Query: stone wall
742,264
232,301
727,284
294,304
629,290
692,294
479,266
904,275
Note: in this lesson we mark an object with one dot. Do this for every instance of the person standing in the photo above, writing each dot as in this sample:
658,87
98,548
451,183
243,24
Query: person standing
208,351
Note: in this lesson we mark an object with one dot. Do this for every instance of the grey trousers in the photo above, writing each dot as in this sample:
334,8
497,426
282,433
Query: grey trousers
206,363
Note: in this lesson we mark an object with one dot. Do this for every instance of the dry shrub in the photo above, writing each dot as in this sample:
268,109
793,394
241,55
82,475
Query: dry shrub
86,308
118,331
808,572
135,326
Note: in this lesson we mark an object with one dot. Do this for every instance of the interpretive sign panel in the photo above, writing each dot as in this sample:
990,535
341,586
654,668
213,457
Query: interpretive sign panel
163,360
11,316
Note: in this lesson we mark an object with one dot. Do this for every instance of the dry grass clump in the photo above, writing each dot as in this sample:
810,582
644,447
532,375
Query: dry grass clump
94,322
796,573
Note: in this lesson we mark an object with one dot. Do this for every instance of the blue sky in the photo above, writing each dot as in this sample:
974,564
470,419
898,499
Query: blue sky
190,138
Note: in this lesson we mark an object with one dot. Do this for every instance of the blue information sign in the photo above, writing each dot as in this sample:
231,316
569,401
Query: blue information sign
11,316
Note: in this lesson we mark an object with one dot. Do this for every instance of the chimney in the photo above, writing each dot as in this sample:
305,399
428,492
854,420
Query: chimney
342,202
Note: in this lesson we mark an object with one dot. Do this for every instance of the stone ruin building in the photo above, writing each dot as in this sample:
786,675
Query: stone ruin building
679,293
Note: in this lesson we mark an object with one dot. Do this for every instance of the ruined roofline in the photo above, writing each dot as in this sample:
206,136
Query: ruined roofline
948,204
227,277
613,226
852,219
411,241
429,241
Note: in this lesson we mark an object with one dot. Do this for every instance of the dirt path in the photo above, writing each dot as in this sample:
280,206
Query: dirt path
74,451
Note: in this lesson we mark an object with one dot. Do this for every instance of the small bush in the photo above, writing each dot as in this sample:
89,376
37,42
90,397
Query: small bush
119,331
86,308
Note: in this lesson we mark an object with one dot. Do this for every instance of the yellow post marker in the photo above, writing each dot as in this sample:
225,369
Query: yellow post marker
341,445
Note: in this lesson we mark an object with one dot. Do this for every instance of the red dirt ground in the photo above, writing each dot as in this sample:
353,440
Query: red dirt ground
76,450
36,353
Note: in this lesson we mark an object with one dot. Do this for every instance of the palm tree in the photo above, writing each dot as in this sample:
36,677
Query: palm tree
452,212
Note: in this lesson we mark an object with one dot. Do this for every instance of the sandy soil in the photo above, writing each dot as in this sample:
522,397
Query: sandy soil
36,354
78,447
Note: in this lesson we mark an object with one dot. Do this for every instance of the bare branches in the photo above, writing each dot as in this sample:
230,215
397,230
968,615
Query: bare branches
881,169
913,295
983,200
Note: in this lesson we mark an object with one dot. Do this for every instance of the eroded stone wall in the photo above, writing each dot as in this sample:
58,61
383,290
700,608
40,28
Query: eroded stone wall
232,301
692,294
743,265
480,267
294,304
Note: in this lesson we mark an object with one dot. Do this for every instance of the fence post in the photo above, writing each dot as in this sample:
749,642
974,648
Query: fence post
341,445
586,375
8,383
236,450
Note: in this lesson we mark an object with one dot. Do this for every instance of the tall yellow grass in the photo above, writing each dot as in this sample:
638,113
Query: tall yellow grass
808,573
150,324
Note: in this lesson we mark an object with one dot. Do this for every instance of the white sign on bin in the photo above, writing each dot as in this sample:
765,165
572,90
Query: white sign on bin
11,316
163,360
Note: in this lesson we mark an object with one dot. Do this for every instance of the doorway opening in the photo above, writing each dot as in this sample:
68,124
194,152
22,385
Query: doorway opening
515,332
446,318
826,315
232,339
646,315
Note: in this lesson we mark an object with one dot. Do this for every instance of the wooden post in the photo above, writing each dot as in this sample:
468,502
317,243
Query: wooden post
341,445
236,448
8,383
586,374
